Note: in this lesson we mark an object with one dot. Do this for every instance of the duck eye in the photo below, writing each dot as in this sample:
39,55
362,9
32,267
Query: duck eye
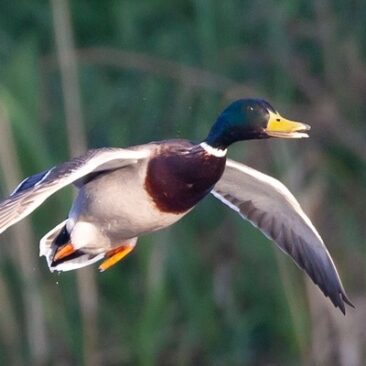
278,120
250,109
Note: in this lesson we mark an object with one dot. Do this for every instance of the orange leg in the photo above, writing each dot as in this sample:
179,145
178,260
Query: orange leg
115,255
64,251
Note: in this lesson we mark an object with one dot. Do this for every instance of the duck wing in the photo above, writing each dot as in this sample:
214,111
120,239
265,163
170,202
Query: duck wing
270,206
34,190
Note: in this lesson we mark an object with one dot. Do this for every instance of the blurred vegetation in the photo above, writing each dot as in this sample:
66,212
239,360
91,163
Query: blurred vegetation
211,290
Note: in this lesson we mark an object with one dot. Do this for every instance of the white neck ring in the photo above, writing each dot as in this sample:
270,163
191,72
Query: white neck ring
219,153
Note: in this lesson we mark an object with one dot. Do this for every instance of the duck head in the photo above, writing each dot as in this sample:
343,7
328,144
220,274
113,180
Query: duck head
247,119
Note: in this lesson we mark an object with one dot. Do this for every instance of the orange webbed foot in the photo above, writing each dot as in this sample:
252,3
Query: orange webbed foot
115,255
64,251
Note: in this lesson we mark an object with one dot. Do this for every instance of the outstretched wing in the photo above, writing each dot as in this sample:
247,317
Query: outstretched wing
34,190
270,206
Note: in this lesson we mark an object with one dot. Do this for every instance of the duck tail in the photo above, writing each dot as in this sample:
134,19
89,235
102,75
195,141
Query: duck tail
51,244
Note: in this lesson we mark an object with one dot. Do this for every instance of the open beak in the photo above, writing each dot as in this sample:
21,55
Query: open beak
281,127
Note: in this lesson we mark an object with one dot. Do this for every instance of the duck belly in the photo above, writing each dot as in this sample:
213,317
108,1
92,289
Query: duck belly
118,205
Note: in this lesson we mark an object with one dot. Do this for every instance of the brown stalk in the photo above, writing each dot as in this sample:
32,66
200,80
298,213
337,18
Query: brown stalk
87,287
24,254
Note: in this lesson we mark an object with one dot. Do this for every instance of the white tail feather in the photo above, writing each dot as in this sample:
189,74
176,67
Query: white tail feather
46,249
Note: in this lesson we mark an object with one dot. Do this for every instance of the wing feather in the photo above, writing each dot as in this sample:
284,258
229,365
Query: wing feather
34,190
270,206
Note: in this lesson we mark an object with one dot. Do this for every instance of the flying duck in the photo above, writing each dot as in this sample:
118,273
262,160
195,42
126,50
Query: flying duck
125,193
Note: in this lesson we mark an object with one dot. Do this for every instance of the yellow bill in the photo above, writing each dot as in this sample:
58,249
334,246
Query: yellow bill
281,127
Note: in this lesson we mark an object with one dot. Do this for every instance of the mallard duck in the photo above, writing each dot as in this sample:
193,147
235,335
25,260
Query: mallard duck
125,193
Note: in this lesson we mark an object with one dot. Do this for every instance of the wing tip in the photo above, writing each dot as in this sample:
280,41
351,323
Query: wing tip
340,300
346,300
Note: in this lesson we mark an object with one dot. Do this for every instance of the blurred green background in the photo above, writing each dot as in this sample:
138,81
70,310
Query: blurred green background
211,290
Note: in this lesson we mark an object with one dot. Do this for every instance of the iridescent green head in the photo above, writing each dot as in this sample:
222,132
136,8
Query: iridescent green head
247,119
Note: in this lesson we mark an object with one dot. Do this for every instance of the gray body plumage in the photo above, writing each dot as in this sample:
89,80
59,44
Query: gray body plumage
117,204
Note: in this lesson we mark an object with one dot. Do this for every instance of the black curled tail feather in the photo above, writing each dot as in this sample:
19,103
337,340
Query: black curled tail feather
63,238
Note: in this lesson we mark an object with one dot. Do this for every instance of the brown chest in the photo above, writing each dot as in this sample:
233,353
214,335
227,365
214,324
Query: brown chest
176,183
